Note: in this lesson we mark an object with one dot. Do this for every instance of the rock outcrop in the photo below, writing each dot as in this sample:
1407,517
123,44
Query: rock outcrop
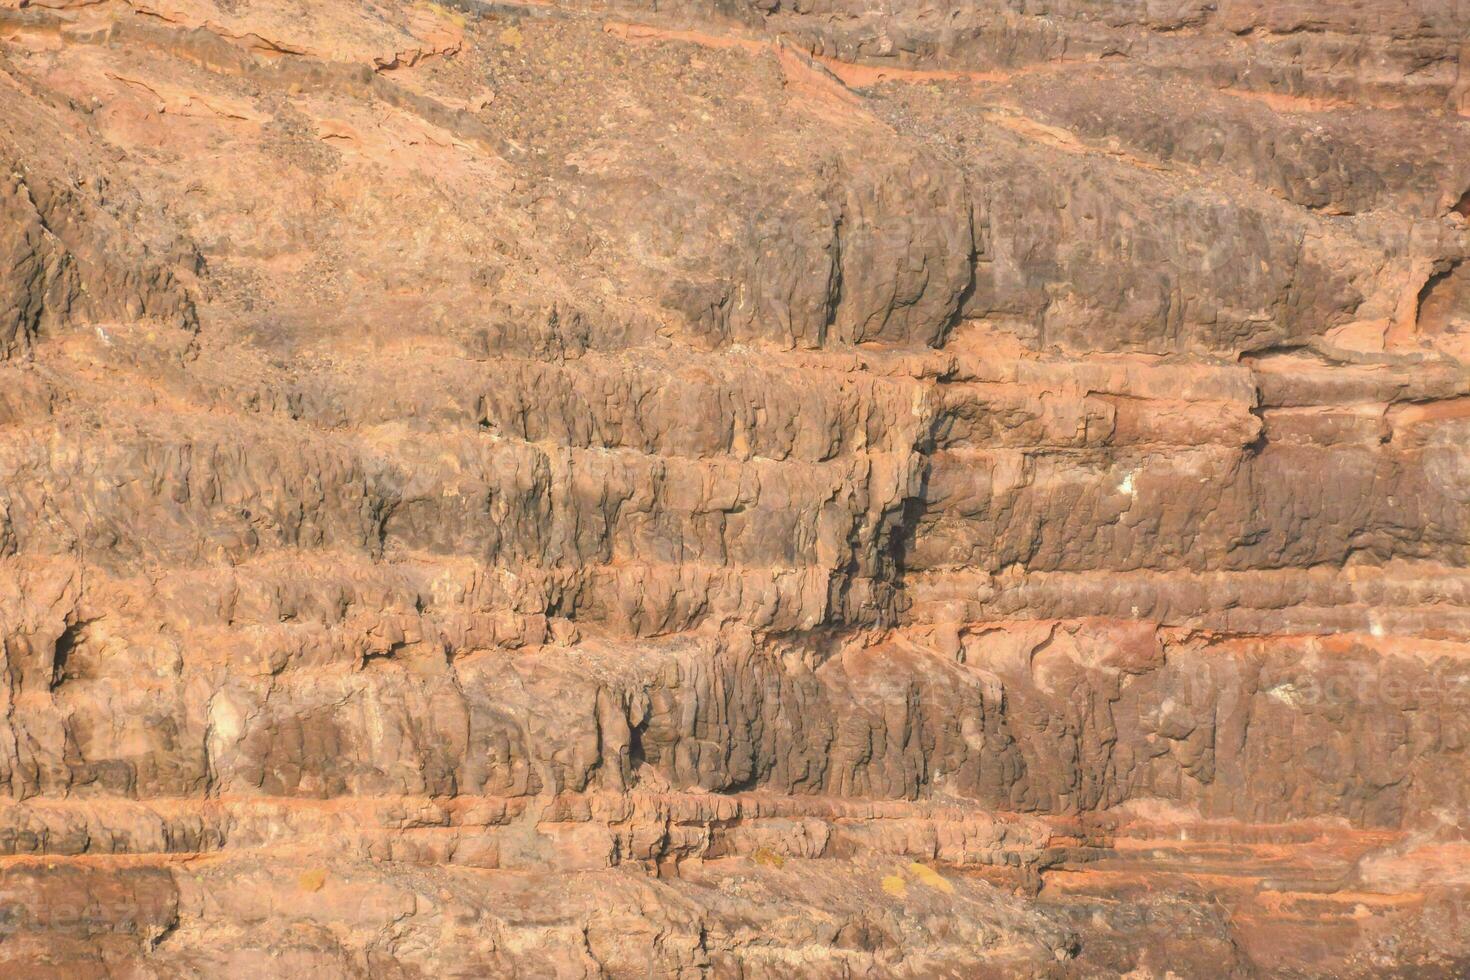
734,489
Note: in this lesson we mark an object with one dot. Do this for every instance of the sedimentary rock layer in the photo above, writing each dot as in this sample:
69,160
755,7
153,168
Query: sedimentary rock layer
738,489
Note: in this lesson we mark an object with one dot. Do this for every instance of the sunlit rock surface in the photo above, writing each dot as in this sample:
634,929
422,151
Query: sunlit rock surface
734,489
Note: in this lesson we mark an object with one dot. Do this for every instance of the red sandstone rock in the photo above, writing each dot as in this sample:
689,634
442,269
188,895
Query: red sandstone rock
766,490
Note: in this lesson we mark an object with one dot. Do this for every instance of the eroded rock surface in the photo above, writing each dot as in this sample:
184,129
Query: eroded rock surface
734,489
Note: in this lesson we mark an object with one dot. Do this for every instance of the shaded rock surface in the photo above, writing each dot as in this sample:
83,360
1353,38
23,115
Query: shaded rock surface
734,489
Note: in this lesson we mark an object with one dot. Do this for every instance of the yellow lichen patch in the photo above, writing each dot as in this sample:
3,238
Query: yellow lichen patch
313,880
932,878
768,858
444,13
895,886
511,37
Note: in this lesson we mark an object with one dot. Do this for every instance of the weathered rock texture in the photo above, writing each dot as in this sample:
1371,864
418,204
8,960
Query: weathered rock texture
735,489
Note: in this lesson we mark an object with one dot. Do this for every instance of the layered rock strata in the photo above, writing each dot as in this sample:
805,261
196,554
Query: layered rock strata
734,489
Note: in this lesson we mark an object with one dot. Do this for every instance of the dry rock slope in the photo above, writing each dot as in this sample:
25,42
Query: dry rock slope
734,489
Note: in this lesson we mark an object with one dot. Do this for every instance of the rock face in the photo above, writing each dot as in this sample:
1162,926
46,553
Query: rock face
735,489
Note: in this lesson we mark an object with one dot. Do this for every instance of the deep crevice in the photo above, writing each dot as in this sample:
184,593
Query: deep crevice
1437,302
62,667
1462,206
